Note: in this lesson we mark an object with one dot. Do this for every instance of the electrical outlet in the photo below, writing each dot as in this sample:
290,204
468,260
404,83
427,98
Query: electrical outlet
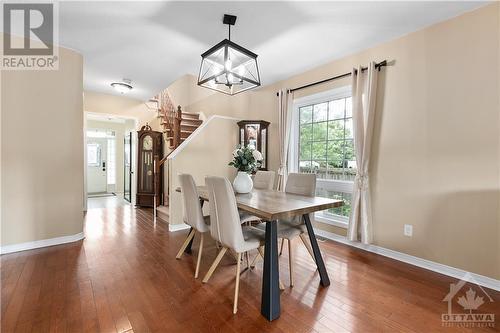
408,230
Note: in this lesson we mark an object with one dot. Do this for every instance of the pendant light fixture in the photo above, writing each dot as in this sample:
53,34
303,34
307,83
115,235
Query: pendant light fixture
228,67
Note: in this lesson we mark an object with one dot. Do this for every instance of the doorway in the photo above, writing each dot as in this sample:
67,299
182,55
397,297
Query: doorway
110,160
101,161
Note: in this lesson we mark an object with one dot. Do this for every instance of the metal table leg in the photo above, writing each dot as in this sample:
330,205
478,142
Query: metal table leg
323,274
270,305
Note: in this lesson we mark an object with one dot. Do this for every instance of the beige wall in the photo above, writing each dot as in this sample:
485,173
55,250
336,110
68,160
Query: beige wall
207,153
436,145
42,152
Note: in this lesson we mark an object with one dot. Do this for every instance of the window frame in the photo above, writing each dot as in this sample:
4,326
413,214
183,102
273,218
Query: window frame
343,186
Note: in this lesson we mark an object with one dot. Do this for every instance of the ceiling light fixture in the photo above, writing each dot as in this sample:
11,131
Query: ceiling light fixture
123,87
228,67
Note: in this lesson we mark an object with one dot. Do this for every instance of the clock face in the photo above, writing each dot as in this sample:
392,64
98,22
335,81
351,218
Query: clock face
147,143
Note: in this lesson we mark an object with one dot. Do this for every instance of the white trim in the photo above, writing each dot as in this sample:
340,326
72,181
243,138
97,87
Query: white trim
195,133
416,261
328,95
345,186
334,220
178,227
41,243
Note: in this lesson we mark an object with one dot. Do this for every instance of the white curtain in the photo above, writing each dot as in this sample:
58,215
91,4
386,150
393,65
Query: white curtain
285,107
364,93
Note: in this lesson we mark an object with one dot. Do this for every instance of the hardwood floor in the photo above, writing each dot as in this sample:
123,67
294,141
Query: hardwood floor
124,278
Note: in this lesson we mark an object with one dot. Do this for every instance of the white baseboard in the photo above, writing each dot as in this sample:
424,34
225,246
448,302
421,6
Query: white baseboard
458,273
41,243
177,227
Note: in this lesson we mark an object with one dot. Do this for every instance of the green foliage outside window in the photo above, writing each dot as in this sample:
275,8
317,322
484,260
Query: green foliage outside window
326,145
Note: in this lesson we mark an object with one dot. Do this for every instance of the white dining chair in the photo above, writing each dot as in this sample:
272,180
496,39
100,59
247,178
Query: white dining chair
193,216
263,180
289,229
226,228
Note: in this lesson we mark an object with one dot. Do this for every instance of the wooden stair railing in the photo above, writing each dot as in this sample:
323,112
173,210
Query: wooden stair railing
177,126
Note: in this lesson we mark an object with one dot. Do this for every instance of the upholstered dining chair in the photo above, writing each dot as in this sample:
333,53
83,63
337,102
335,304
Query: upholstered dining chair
193,216
301,184
226,228
263,180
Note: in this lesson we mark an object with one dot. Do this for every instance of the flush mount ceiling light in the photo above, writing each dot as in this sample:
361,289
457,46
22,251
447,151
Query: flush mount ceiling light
228,67
123,87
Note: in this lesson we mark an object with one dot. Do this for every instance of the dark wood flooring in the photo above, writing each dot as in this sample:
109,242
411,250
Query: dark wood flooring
124,278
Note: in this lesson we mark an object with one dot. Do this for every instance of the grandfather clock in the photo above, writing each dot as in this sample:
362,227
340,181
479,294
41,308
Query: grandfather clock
254,133
149,146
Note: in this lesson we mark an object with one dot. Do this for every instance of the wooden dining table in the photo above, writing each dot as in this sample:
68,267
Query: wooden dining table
272,206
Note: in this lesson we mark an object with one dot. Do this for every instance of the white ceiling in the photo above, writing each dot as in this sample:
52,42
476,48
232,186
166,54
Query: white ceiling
154,43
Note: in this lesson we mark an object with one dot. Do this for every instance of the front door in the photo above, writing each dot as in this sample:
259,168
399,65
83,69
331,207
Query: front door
96,165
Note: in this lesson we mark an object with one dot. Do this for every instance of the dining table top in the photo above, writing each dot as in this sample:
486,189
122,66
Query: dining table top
274,205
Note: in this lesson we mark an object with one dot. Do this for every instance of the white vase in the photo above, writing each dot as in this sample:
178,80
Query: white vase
243,182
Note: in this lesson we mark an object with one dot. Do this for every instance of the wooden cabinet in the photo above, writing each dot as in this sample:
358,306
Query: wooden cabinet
149,146
254,133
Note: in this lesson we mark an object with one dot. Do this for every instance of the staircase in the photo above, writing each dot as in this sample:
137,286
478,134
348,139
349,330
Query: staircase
177,126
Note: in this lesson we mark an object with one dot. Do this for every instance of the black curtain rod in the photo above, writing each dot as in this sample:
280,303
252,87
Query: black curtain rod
377,66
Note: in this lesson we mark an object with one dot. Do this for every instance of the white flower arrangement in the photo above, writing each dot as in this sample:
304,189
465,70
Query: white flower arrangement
246,159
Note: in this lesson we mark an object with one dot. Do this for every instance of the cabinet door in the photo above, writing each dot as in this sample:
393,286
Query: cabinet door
146,167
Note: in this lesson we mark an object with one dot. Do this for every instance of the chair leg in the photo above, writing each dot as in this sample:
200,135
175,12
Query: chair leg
199,257
307,245
252,265
214,264
290,261
247,259
185,244
261,252
281,247
237,286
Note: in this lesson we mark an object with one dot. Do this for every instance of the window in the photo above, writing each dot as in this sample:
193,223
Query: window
111,162
93,154
323,144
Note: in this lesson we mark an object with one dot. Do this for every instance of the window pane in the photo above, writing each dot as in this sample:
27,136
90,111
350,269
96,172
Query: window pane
93,158
305,114
336,130
348,128
308,166
336,109
335,153
344,210
320,112
111,162
350,167
305,151
320,168
348,107
305,133
319,151
319,131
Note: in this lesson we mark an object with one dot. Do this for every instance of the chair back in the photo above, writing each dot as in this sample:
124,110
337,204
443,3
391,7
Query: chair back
301,184
264,180
224,217
191,207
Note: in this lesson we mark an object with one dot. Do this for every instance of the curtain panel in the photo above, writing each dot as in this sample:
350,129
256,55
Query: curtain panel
364,93
285,109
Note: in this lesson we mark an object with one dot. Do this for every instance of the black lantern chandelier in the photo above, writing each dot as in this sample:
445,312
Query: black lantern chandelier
228,67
